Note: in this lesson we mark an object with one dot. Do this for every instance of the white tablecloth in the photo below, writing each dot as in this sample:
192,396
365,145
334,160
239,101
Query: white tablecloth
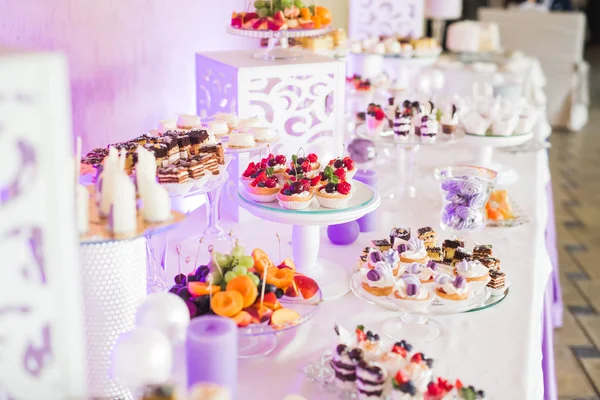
497,349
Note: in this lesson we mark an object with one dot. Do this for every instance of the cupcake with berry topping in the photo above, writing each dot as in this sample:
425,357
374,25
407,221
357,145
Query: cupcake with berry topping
251,173
452,289
439,389
263,188
369,343
347,164
300,167
315,164
412,252
336,193
277,162
419,371
314,183
295,195
425,272
395,360
375,118
380,280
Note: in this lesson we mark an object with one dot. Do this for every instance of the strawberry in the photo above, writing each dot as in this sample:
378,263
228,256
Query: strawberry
348,163
280,159
401,377
271,183
417,358
312,157
361,336
315,181
344,187
379,114
340,173
399,350
459,385
306,166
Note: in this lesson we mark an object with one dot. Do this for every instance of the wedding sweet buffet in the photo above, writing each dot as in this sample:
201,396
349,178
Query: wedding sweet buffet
343,212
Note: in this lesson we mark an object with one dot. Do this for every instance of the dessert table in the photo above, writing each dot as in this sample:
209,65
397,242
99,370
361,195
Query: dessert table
498,349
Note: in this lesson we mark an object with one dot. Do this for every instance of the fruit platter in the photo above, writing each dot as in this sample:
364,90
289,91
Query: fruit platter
261,297
282,15
362,365
503,211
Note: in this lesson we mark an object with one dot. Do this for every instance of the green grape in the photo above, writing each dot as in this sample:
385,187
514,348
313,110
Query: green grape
216,277
246,261
241,271
287,3
299,3
263,12
229,275
222,259
238,251
259,4
254,278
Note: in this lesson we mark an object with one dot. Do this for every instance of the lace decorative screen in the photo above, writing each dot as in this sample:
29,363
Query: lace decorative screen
385,17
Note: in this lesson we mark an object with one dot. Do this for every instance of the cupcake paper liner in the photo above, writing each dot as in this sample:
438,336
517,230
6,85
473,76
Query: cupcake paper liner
334,203
294,205
261,198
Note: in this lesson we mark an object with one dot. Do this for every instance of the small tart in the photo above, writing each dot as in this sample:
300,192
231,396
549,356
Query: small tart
333,200
405,259
263,191
294,202
378,291
454,296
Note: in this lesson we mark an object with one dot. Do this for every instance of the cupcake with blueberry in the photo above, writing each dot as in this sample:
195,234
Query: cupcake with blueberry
412,381
347,164
375,118
452,289
369,343
395,360
295,195
336,193
380,280
300,167
264,187
251,173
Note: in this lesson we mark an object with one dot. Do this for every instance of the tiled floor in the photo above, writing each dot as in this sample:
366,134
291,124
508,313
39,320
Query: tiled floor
575,166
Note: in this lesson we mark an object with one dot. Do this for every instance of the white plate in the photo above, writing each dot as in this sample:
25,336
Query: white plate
496,140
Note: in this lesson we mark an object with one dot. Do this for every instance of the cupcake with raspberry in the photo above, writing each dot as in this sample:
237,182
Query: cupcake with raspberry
313,159
336,193
300,167
251,173
315,183
277,162
295,195
375,118
347,164
263,188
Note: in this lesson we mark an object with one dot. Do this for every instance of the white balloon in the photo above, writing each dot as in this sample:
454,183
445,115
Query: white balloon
142,356
166,312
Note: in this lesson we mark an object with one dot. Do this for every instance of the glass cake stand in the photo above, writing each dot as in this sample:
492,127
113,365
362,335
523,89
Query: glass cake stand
332,278
278,47
413,323
406,157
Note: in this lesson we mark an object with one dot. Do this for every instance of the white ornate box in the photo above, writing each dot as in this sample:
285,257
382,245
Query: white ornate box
385,17
41,330
303,98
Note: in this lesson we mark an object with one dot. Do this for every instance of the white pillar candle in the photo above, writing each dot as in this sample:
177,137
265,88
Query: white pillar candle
145,168
156,202
82,208
124,212
110,168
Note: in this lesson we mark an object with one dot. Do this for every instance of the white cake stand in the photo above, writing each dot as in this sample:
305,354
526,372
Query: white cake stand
486,145
332,278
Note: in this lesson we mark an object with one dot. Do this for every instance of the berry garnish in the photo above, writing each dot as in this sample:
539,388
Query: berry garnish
297,187
379,114
287,192
315,181
330,187
312,157
409,388
306,185
433,389
429,362
280,159
459,385
399,350
417,358
338,164
180,279
261,184
271,183
401,377
340,173
272,162
305,166
360,335
349,163
344,187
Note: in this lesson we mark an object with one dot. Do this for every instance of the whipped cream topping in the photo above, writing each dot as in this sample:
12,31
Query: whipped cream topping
303,194
372,351
471,269
391,257
423,272
383,274
420,375
392,362
416,249
409,286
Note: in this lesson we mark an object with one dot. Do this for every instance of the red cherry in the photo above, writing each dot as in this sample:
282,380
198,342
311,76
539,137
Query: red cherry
312,157
315,181
344,187
271,156
340,173
280,159
306,166
416,358
459,385
349,163
379,114
399,350
306,186
271,183
401,377
361,336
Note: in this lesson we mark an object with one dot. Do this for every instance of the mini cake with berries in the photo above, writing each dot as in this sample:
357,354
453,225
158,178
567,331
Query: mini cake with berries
300,167
251,173
277,163
336,193
376,119
347,164
264,187
295,195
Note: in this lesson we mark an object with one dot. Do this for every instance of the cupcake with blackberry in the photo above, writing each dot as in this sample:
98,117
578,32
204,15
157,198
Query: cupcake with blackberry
277,163
452,289
336,193
375,118
300,167
264,187
295,195
346,163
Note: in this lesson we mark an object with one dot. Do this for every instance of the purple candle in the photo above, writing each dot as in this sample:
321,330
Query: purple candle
367,223
212,352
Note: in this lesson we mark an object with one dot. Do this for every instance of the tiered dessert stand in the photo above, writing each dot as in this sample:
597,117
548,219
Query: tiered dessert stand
332,278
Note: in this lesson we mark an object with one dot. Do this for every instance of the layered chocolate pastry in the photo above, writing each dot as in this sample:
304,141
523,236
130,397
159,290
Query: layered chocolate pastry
144,139
172,147
428,236
130,148
195,168
172,174
435,253
344,362
183,142
399,235
382,244
208,161
370,380
198,138
482,250
161,153
449,247
490,262
216,149
95,157
460,254
497,279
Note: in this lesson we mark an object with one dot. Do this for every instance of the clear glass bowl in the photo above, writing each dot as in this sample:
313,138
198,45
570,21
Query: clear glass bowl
465,191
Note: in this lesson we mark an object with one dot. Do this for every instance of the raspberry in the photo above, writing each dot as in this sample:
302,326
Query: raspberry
280,159
315,181
344,187
459,385
349,163
271,183
340,173
399,350
312,157
361,336
432,389
401,377
306,166
305,186
250,169
379,114
417,358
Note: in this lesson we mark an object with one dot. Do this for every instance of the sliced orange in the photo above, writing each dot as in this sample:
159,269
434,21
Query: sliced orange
323,12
